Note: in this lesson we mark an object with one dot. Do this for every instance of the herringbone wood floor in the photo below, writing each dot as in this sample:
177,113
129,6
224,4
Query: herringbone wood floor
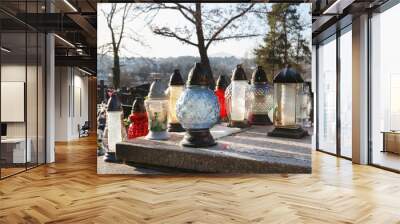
70,191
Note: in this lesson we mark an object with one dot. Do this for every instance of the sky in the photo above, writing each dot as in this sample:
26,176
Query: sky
159,46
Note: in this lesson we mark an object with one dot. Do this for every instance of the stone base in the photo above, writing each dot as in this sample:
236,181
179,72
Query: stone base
157,135
175,127
288,133
198,138
260,119
233,154
110,157
239,124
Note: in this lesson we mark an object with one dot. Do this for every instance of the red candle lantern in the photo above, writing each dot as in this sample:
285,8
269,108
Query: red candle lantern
139,122
220,93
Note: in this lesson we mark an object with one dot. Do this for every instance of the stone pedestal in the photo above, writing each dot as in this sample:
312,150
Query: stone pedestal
245,152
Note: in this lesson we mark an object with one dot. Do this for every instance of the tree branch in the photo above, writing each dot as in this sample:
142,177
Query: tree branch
180,8
125,14
239,36
227,23
109,18
164,31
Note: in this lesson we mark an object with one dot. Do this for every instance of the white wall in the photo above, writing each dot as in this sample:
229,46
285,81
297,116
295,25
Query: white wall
61,103
71,102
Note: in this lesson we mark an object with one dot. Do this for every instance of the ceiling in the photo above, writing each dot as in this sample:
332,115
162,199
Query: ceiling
74,22
330,15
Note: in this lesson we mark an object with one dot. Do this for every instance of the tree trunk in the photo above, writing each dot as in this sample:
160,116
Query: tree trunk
286,56
202,48
206,63
116,71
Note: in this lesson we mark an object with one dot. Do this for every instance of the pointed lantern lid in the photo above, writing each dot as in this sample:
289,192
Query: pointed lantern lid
138,105
288,75
156,91
113,103
197,76
176,79
259,76
221,82
238,73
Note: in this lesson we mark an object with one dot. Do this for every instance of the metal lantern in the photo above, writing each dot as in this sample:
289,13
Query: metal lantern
114,126
287,86
220,93
157,111
197,109
260,98
174,91
239,88
138,118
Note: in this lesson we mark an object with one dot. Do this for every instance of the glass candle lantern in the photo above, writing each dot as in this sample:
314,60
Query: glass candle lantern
157,112
305,105
238,110
287,86
114,126
260,98
174,91
197,109
220,93
138,118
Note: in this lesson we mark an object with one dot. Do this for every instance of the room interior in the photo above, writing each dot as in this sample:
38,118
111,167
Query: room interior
354,179
22,101
361,40
33,69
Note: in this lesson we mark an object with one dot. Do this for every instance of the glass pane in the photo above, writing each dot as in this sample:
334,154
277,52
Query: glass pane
31,97
346,94
385,83
41,99
327,96
13,85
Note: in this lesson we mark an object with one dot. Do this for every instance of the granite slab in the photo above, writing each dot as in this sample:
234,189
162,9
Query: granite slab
238,151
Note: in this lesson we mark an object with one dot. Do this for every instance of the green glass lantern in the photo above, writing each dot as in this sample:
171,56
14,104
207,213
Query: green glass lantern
157,111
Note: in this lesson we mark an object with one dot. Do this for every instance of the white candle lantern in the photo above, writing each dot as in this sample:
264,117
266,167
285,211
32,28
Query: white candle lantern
114,126
239,88
287,103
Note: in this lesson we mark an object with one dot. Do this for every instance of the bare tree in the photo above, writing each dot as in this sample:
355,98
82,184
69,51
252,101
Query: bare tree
117,17
209,24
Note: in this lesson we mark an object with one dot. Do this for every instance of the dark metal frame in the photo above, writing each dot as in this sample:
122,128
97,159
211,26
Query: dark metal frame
338,98
44,80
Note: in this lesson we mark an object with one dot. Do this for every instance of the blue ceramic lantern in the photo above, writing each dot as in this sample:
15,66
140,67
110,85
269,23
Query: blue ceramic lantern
197,109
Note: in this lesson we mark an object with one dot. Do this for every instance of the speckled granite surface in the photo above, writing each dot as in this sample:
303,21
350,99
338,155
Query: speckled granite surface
246,151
